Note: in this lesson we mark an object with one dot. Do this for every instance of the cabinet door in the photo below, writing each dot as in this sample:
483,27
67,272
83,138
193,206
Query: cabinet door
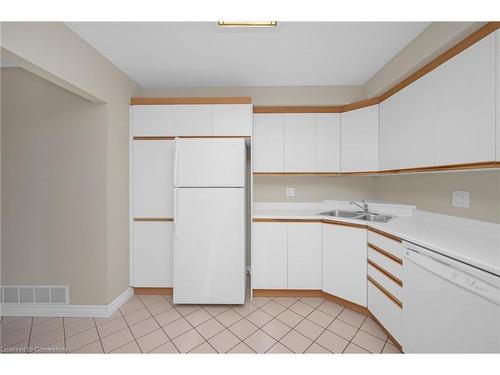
327,144
497,93
152,254
269,256
268,143
304,256
192,120
152,120
344,262
299,142
152,178
232,119
360,140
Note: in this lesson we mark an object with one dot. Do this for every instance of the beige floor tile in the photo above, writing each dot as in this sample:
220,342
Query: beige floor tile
285,301
167,348
259,318
228,317
371,327
309,329
48,338
354,349
301,308
117,339
130,348
20,347
143,328
55,348
42,319
276,329
290,318
331,308
259,301
368,342
78,326
128,308
215,310
92,348
159,307
113,326
151,299
186,309
210,328
342,329
320,318
117,314
243,328
296,342
204,348
317,349
168,317
245,309
46,326
224,341
332,342
137,316
241,348
312,301
177,328
81,339
198,317
16,337
273,308
10,326
152,340
169,298
352,317
73,320
389,348
132,298
279,349
188,341
260,342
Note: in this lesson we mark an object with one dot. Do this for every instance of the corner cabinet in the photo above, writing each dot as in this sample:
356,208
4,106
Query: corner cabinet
344,262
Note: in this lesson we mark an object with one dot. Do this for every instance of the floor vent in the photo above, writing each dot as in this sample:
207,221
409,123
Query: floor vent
46,294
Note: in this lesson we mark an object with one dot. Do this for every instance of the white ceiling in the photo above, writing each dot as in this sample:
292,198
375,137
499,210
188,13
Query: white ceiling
200,54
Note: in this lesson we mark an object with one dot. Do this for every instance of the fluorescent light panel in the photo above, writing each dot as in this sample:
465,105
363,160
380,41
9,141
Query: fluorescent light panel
248,24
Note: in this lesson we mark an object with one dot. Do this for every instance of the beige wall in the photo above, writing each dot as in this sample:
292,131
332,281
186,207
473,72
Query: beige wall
54,188
62,57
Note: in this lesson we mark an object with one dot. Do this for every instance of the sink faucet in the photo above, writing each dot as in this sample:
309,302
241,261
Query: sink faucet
364,205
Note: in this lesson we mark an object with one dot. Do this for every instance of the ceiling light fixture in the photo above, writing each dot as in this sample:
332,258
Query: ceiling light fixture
248,24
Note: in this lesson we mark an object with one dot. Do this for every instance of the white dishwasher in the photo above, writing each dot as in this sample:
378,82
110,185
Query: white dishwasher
449,306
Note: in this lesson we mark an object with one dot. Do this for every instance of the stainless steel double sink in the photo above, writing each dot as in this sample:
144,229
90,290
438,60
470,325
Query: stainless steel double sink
358,215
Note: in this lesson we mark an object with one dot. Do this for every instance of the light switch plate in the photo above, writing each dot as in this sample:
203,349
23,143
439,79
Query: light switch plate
290,192
461,199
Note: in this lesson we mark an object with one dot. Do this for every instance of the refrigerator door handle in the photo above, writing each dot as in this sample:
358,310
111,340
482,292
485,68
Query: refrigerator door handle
176,153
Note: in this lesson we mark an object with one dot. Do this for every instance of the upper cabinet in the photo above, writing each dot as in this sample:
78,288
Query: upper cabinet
295,143
359,140
192,120
446,117
497,59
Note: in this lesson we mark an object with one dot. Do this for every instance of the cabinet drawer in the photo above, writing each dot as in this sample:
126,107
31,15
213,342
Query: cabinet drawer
385,311
391,266
386,244
385,282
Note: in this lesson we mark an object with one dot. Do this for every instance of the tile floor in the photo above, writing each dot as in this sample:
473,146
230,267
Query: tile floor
153,324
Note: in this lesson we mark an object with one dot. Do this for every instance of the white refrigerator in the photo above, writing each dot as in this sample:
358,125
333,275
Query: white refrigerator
209,221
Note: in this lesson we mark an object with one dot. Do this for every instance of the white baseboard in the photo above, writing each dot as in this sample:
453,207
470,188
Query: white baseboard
68,311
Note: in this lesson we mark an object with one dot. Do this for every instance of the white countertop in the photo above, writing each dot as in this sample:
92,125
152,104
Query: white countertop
470,241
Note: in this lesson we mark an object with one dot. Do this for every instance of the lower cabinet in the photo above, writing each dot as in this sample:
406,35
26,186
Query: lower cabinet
388,313
152,254
344,262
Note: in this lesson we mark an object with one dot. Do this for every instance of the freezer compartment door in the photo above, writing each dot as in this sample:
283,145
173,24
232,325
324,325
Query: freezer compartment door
209,246
210,162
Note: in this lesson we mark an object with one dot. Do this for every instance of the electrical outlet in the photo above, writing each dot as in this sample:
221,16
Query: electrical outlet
290,192
461,199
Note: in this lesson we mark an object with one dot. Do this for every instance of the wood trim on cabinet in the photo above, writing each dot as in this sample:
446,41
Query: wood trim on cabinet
153,219
323,221
386,273
287,293
387,235
343,223
153,138
350,305
475,37
317,174
396,343
194,100
385,253
163,138
154,291
388,294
